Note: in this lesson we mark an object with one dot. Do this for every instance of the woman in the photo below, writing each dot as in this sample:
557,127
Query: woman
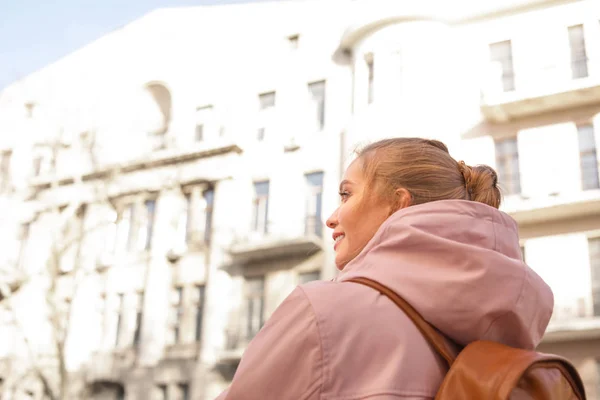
428,227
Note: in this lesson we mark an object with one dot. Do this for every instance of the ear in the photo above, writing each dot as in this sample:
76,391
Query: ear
403,199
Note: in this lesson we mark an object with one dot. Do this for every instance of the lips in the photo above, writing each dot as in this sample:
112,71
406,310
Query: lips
337,237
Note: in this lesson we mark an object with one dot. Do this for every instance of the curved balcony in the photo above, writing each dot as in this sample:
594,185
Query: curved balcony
508,95
546,209
278,241
110,366
572,323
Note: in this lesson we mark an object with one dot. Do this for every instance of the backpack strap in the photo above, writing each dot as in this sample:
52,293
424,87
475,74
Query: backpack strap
433,336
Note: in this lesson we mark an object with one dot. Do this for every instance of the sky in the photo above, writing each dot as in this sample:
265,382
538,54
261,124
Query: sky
35,33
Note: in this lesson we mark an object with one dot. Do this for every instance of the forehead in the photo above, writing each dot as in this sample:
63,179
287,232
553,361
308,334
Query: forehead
354,171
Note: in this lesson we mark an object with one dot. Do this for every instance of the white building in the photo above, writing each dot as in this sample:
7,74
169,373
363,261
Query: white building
193,155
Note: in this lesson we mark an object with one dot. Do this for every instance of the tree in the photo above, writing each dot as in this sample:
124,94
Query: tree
61,277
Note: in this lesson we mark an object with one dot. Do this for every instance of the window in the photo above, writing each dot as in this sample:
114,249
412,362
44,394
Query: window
306,277
146,225
120,315
314,182
254,305
162,392
204,123
594,250
507,163
195,223
135,225
209,198
370,77
185,223
317,95
124,237
261,207
199,307
266,111
176,314
501,55
5,160
588,157
579,61
183,391
139,316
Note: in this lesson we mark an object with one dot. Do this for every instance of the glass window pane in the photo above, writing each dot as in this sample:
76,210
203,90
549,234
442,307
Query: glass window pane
261,188
267,100
594,253
586,137
315,179
309,277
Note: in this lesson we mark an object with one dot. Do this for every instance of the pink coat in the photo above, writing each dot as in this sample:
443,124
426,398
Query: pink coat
457,262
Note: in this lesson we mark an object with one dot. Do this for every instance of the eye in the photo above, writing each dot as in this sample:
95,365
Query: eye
344,195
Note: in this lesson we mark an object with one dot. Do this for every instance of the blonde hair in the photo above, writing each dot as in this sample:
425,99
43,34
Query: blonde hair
427,171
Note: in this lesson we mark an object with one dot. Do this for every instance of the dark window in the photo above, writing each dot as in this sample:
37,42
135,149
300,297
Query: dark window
150,206
261,207
306,277
266,108
163,392
177,313
314,201
579,61
255,305
588,157
317,94
120,316
594,250
507,165
139,316
209,198
199,305
501,53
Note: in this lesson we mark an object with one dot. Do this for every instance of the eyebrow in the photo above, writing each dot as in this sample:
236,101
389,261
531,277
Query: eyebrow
345,182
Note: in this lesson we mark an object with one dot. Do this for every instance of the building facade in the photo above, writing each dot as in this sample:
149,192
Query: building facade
166,187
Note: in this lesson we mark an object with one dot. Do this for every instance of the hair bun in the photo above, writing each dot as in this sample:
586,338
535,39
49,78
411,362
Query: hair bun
481,182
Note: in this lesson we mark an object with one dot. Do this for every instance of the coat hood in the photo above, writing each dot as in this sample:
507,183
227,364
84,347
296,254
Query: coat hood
459,264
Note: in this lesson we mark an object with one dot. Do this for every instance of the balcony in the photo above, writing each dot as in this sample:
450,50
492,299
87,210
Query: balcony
110,366
529,91
235,344
221,154
182,351
278,241
572,323
549,208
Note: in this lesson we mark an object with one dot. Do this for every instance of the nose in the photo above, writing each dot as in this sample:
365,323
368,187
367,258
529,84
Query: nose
332,221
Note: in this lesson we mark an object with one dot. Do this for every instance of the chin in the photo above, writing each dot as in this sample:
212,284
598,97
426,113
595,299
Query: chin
340,264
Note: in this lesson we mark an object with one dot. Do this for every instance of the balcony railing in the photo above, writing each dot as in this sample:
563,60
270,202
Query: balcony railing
110,365
279,239
525,91
573,321
236,341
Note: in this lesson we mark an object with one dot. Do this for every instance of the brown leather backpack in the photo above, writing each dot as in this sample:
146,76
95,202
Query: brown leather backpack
493,371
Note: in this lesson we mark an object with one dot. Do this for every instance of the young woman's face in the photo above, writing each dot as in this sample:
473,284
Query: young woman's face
357,218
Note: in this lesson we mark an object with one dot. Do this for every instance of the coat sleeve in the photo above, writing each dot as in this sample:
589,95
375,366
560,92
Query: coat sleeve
284,360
